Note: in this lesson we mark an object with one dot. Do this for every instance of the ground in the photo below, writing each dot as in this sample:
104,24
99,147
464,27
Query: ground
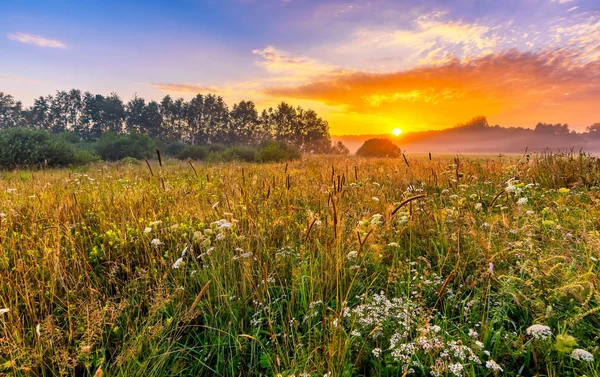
441,266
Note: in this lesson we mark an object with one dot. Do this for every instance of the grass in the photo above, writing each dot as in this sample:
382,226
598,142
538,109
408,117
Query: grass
312,268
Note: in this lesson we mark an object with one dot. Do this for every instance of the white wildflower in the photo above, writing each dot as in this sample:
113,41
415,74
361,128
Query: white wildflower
539,331
456,368
473,333
491,364
156,242
491,268
376,352
582,355
352,254
178,263
478,206
355,333
147,230
522,201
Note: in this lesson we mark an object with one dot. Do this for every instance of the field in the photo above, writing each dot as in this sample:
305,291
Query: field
449,266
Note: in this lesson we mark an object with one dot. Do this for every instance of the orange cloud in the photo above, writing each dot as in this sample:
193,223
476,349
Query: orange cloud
511,88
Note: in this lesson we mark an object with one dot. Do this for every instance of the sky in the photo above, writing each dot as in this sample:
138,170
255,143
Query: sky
365,66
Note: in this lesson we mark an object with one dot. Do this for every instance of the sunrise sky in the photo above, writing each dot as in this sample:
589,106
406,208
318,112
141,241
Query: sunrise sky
366,66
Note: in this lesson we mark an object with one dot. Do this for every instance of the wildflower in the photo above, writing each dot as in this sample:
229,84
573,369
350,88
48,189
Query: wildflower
456,368
478,206
147,230
582,355
3,311
479,344
156,242
393,244
539,331
243,255
564,190
491,268
491,364
352,254
522,201
355,333
376,352
473,333
177,263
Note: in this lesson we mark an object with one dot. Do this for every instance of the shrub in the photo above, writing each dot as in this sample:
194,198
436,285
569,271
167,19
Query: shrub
174,149
22,147
379,148
113,147
193,152
244,153
277,151
215,148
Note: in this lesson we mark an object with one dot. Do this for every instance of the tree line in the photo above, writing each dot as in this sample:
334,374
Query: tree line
204,120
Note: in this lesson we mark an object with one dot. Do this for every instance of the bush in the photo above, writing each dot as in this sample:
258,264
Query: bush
216,148
113,147
379,148
174,149
23,146
193,152
277,151
244,153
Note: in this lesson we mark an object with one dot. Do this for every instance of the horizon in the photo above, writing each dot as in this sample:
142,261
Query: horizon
366,68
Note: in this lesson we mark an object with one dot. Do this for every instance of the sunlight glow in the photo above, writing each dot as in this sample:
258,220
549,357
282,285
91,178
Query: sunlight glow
396,131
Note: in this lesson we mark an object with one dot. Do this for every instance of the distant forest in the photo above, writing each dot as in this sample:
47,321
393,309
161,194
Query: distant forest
204,120
478,136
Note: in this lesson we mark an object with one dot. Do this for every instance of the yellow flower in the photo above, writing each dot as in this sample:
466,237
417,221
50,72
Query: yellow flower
564,190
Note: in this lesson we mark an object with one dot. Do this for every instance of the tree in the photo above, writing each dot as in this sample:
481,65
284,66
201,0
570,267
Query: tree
10,111
340,148
379,148
552,129
245,126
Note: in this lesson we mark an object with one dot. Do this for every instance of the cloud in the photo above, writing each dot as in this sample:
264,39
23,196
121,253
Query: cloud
289,67
429,38
185,88
515,87
36,40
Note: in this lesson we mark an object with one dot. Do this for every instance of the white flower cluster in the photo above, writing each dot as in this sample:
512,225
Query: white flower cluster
409,341
539,331
582,355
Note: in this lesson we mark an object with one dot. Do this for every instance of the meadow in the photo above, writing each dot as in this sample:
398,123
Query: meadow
341,266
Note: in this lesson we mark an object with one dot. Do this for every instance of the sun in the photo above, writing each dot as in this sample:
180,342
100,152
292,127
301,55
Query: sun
396,131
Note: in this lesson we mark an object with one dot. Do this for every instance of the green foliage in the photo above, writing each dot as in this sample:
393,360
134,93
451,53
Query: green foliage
277,151
114,147
379,148
174,148
193,152
23,147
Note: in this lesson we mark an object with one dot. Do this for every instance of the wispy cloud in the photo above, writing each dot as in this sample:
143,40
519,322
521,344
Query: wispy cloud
36,40
289,67
185,88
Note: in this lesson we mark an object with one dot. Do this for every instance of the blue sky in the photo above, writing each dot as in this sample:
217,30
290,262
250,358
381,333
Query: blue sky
297,50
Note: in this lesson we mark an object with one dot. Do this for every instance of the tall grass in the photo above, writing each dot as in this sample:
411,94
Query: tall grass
315,267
